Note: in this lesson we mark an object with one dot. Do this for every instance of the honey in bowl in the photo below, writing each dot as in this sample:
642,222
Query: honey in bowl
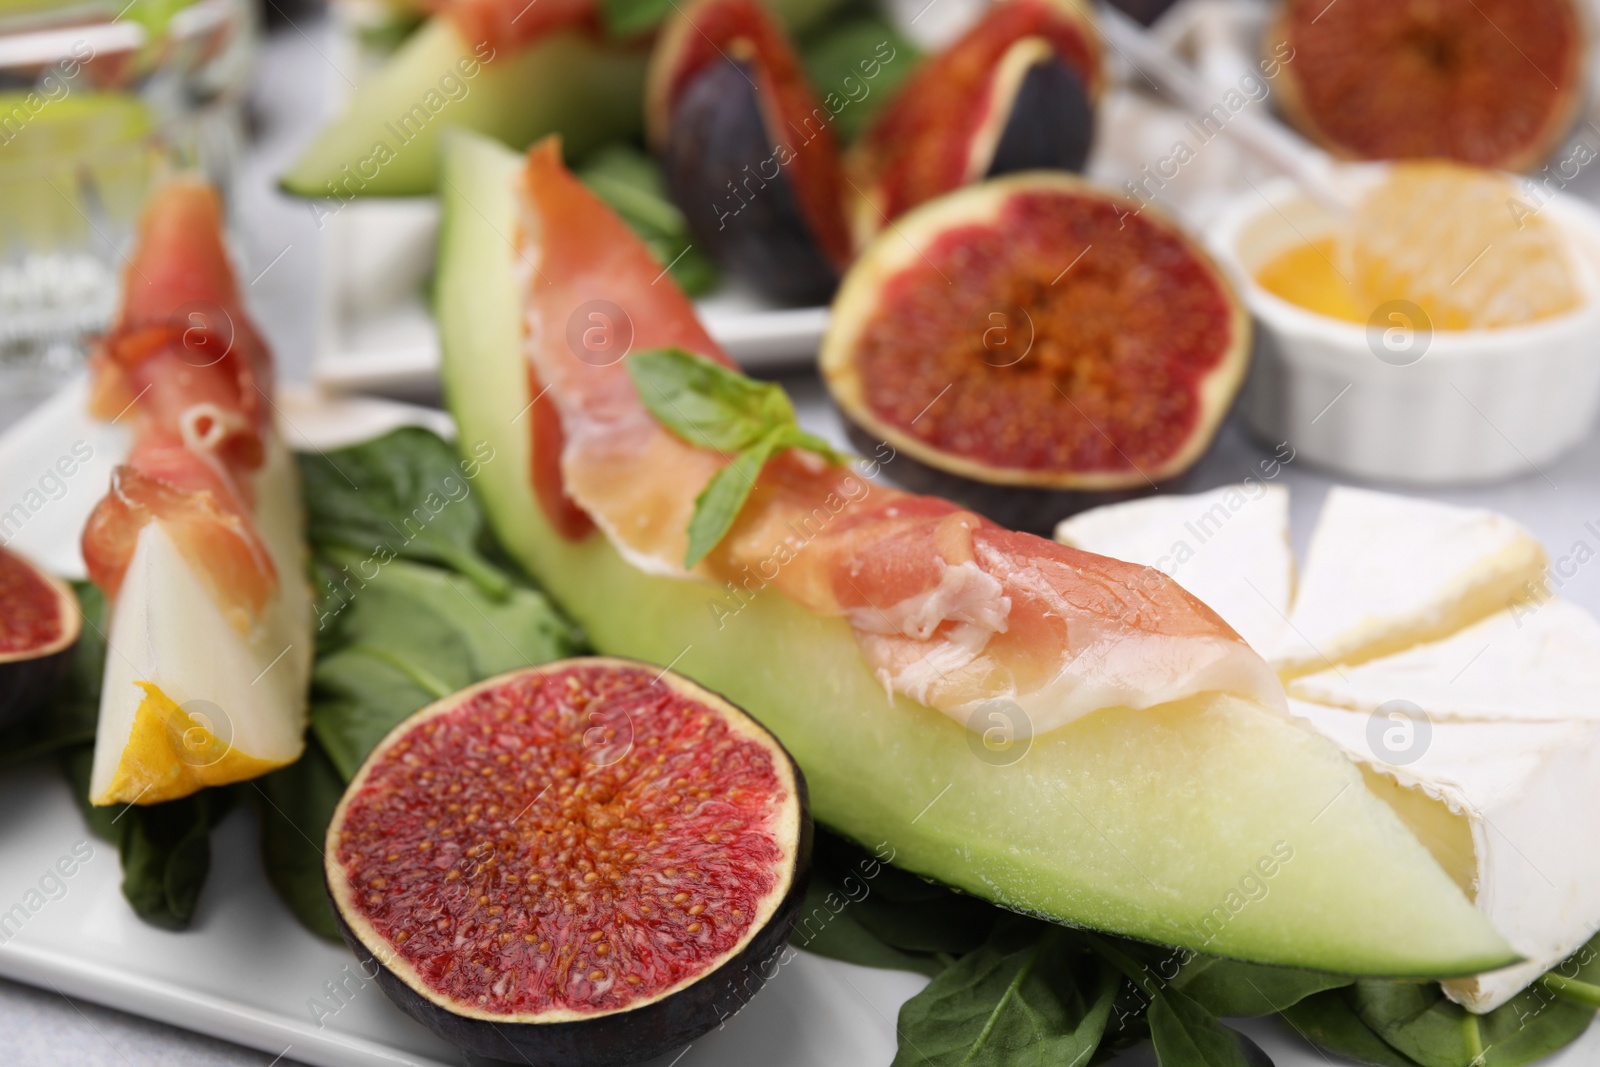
1461,243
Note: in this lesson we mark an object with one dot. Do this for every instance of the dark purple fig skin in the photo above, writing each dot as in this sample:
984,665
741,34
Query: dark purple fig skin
1051,126
717,148
26,685
632,1035
29,682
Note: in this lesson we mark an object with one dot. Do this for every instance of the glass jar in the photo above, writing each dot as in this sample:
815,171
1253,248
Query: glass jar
98,102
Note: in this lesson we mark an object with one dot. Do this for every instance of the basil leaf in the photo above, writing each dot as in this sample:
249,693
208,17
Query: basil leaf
403,495
632,184
296,805
710,406
720,501
707,404
1231,989
1328,1021
1042,1003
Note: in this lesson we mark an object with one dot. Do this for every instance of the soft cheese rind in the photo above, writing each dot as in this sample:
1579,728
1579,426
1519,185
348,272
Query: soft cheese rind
1385,572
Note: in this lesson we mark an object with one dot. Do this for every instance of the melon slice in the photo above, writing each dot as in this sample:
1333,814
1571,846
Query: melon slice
1137,822
188,700
1385,572
1486,795
1534,662
386,141
1229,547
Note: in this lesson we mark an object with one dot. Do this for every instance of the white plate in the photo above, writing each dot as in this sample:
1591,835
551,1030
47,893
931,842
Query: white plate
378,334
247,971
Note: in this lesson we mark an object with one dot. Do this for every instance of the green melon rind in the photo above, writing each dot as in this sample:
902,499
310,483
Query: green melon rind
1137,823
571,83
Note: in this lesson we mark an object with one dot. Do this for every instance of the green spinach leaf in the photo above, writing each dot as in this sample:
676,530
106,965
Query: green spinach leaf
403,495
296,805
412,635
1417,1020
1184,1033
1328,1021
861,910
166,855
1230,989
1043,1001
165,848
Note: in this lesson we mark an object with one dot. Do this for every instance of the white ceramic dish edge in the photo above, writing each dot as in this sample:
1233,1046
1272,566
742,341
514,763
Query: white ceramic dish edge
1477,406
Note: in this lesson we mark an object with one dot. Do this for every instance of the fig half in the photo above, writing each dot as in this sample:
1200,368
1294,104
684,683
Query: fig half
1036,333
39,625
587,863
1015,92
1494,83
749,152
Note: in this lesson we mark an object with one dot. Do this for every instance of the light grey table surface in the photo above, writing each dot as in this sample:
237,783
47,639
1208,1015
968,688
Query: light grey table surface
279,249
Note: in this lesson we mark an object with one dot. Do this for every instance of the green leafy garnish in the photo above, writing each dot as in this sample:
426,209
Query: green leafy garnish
710,406
404,495
1183,1032
1031,994
413,635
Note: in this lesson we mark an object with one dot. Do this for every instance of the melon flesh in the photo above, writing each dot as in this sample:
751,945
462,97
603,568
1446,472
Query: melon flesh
187,700
570,82
1156,824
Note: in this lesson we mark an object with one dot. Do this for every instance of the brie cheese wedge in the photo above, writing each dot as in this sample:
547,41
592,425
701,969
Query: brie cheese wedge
1386,572
1424,642
1501,805
1229,547
1534,663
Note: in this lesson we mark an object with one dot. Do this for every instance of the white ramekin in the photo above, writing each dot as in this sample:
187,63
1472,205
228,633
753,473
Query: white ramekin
1478,405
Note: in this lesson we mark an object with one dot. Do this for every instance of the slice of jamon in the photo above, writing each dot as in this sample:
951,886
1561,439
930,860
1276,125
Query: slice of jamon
508,25
182,352
948,608
202,512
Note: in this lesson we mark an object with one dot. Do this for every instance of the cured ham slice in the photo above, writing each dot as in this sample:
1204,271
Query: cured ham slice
947,608
198,541
203,514
184,364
